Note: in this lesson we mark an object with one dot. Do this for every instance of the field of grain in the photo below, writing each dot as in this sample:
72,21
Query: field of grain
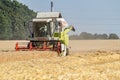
88,60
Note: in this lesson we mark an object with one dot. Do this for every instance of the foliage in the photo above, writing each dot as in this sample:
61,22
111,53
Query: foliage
12,17
88,36
113,36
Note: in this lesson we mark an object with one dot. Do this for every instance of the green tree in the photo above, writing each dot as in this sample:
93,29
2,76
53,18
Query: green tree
85,35
113,36
12,17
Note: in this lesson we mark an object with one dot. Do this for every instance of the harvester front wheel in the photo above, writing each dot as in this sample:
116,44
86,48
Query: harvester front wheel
67,51
28,45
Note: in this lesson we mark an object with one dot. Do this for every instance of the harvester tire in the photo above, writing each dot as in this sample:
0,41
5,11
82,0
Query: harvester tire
28,45
67,51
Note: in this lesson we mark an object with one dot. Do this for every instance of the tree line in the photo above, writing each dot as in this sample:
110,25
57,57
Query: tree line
89,36
12,17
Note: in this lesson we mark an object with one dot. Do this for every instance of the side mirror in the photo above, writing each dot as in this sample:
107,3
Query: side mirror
30,28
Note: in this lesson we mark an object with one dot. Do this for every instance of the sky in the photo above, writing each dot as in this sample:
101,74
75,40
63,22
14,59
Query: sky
93,16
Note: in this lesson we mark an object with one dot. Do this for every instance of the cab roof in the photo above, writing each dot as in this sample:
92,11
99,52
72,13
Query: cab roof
49,15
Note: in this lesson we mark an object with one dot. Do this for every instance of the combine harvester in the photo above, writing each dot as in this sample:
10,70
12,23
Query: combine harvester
45,32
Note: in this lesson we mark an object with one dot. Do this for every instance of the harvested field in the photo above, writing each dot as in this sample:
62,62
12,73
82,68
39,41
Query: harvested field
88,60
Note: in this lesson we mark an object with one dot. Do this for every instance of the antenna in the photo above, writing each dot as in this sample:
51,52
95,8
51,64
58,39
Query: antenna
51,6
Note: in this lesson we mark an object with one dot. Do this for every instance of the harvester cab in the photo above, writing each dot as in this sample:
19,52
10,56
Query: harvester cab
45,26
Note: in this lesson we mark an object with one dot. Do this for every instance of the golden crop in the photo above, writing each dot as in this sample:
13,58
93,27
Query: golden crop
46,65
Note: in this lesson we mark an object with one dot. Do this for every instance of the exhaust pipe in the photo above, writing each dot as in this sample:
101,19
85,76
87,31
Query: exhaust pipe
51,6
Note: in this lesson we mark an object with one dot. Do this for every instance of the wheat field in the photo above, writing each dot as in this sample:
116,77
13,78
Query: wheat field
88,60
